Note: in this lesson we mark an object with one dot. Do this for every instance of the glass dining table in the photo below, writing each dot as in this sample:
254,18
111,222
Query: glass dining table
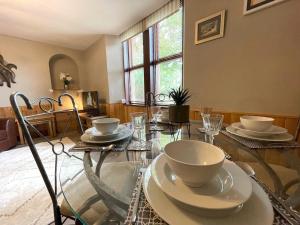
104,180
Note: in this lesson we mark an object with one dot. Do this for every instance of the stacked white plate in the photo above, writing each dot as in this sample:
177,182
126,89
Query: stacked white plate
274,133
231,198
93,136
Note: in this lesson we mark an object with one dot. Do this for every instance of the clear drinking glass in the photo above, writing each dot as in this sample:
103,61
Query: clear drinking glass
138,121
156,148
212,124
156,115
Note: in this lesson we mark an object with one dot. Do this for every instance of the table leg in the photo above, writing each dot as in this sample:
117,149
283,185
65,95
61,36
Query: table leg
179,129
53,127
50,129
189,130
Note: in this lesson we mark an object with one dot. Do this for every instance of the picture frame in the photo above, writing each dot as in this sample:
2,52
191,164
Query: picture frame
251,6
210,28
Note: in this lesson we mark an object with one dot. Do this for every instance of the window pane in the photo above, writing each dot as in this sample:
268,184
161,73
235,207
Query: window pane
168,76
170,35
137,85
137,51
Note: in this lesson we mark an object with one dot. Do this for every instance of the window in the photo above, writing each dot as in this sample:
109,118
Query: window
168,62
153,59
134,68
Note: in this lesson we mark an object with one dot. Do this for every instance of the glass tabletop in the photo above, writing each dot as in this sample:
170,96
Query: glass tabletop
98,186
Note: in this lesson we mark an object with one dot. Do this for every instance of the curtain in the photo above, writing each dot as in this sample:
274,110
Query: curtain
163,12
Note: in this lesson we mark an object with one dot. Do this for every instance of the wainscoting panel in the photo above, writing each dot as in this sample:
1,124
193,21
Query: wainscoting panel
121,111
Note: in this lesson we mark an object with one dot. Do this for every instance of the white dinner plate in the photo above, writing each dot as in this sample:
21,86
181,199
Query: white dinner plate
273,130
227,192
98,135
273,138
124,133
256,211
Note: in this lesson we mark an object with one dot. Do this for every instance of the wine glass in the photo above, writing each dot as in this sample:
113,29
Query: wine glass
156,115
138,121
212,124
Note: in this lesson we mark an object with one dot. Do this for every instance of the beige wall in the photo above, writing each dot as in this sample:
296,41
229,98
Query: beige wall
96,71
254,68
32,60
99,67
115,72
65,64
104,67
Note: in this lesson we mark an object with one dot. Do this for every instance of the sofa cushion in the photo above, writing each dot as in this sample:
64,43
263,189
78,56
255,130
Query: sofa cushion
3,135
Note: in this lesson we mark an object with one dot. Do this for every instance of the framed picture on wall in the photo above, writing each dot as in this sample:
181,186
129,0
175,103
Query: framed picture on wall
210,28
251,6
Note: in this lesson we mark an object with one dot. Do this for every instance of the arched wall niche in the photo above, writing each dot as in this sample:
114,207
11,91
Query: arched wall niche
62,63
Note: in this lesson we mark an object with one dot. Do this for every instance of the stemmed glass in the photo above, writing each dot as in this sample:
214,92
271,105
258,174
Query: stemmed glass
138,121
156,115
212,124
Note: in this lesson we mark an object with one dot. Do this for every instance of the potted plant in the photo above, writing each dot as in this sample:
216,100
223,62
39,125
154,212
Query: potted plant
179,112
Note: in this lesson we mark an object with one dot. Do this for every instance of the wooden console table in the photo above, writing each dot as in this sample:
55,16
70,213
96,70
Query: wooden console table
49,120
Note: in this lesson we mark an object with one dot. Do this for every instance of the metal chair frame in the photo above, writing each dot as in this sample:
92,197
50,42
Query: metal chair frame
153,99
24,124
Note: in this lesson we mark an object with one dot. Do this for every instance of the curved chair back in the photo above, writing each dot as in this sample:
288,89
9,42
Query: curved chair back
46,107
153,100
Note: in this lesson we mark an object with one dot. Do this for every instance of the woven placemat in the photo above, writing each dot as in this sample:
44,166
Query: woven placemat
260,144
147,216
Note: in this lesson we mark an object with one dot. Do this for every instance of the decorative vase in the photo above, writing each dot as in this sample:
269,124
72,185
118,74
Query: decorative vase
66,87
179,113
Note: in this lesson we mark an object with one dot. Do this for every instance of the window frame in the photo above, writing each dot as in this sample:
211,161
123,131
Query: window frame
151,60
157,60
129,69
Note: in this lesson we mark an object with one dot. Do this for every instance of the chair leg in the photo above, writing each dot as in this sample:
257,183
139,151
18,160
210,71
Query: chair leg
64,220
77,222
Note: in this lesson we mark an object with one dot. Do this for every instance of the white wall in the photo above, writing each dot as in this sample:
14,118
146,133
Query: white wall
32,59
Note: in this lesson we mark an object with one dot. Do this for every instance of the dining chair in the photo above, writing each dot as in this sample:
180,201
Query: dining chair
48,105
153,100
163,100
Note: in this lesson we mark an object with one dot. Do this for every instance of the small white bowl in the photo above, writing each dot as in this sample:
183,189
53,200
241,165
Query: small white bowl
106,125
256,123
195,162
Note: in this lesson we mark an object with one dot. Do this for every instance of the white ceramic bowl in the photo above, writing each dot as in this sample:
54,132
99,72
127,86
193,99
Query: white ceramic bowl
195,162
106,125
256,123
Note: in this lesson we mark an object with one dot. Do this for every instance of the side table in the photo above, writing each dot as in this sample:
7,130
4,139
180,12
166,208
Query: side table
49,120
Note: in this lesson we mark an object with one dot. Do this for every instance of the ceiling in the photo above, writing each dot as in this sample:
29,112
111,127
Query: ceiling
71,23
